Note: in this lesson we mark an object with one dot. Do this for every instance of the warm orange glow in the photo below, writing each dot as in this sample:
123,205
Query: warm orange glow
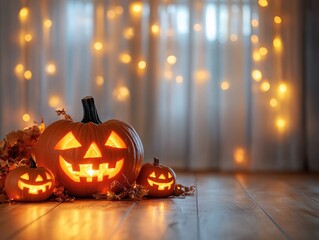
277,43
54,101
280,123
136,7
99,80
88,173
115,141
224,85
263,51
26,117
162,176
265,86
202,76
254,23
254,38
98,46
27,75
263,3
111,14
67,142
128,33
28,37
155,29
233,37
47,23
239,155
256,75
121,93
25,176
179,79
39,178
197,27
23,13
51,68
118,10
93,151
19,68
141,64
125,58
282,88
273,102
153,175
277,19
34,188
160,185
256,56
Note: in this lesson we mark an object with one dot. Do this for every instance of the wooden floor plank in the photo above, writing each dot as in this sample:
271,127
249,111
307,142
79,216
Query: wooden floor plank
16,217
288,200
165,218
227,212
82,219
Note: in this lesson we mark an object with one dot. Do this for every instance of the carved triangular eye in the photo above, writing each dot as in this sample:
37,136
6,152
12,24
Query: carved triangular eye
39,179
169,175
162,176
25,176
67,142
48,176
115,141
152,175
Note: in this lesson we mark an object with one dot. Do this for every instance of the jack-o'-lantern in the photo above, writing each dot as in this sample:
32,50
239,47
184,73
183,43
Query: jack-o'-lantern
160,180
29,183
88,156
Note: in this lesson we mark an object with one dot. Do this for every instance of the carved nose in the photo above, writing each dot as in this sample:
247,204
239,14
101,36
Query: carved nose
93,151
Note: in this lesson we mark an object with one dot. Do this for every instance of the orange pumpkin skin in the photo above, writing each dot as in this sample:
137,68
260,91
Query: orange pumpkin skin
103,152
160,180
29,184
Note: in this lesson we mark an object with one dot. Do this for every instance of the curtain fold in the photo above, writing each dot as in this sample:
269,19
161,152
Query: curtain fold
209,84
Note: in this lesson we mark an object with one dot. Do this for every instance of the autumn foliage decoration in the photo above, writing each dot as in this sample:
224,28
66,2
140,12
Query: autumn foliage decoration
87,156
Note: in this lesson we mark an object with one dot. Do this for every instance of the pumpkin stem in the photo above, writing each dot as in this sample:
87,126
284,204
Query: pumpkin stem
32,163
89,111
156,161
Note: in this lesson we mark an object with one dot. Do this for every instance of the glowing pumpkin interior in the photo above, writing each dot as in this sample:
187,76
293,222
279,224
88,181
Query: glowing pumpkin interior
37,185
162,182
87,172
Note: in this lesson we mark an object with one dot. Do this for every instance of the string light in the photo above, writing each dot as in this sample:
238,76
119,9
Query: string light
19,68
171,59
128,33
263,51
136,7
99,80
118,10
121,93
155,29
254,38
179,79
233,37
111,14
224,85
277,43
256,75
254,23
277,19
28,37
23,13
239,155
202,76
265,86
273,102
141,64
197,27
54,101
98,46
263,3
27,75
51,68
47,23
280,123
26,117
256,56
125,58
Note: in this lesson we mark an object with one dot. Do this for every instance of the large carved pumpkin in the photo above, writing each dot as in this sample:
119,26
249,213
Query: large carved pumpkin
88,156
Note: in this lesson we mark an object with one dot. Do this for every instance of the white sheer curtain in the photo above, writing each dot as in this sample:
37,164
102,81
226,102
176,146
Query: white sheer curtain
208,84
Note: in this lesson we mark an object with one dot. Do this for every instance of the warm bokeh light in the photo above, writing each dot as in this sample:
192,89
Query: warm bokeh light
121,93
128,33
136,7
263,3
265,86
281,123
233,37
26,117
168,75
98,46
277,19
254,23
256,75
125,58
23,13
155,29
99,80
263,51
254,38
51,68
27,75
171,59
110,14
141,64
273,102
256,56
197,27
201,76
179,79
224,85
239,155
54,101
118,10
277,43
19,68
28,37
47,23
282,90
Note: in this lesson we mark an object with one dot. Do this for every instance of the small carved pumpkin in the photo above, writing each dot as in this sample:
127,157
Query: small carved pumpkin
87,156
158,179
29,183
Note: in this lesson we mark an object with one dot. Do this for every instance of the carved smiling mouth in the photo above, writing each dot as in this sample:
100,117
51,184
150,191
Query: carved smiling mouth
33,189
160,186
87,173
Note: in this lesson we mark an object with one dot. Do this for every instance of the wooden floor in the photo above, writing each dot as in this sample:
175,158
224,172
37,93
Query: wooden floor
225,206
